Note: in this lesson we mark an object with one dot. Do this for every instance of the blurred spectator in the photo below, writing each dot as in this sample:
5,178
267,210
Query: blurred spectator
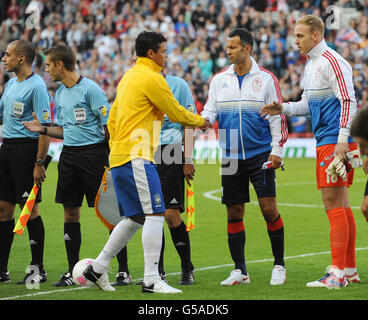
74,35
13,10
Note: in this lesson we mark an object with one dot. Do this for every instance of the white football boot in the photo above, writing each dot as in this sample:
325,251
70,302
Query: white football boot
278,275
100,279
159,286
236,277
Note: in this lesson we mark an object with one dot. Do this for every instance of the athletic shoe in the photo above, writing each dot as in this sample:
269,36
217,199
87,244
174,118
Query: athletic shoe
4,277
122,279
100,279
354,278
278,275
187,277
159,286
32,277
66,280
236,277
162,276
330,281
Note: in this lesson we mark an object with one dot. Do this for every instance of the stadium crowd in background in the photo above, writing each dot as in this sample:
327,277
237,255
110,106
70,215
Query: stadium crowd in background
102,33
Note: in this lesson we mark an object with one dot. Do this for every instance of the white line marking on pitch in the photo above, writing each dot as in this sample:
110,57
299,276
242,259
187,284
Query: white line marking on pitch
210,195
174,273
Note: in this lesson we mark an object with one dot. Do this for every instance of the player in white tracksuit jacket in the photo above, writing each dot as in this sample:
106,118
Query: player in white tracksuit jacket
330,100
247,141
238,108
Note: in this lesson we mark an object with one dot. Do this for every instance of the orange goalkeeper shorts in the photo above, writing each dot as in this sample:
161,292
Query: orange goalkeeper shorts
324,158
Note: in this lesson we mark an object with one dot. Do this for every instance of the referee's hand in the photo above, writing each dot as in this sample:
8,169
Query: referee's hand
33,126
189,170
39,174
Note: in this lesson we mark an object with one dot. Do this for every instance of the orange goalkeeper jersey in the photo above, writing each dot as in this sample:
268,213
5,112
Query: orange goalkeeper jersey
142,98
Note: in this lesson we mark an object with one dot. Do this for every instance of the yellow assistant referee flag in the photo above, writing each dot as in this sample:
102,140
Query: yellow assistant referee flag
27,209
190,205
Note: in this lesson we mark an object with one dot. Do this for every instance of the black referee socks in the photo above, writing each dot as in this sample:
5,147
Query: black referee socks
180,238
36,234
73,240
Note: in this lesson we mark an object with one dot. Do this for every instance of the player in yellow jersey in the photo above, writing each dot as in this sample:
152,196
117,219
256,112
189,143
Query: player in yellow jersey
143,97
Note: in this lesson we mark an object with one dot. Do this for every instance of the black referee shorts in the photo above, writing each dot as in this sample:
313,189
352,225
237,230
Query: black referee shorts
17,162
80,173
235,188
172,180
366,189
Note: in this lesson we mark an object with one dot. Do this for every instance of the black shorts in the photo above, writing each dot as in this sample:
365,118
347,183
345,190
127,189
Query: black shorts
17,162
366,189
235,187
172,183
80,173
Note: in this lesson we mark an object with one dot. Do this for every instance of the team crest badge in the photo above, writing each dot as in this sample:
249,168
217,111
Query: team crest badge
157,198
318,73
103,110
45,115
257,84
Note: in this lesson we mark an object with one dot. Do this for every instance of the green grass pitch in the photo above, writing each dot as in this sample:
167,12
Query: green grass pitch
306,245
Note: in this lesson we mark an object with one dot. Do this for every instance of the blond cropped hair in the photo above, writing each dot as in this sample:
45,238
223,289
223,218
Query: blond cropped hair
315,23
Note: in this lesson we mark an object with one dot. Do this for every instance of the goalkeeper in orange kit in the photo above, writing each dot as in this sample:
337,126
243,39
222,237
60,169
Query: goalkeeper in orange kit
329,98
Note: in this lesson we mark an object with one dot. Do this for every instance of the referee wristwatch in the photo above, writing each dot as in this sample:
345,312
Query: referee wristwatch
40,162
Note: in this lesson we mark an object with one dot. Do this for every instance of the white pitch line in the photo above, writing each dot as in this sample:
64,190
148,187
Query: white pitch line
176,273
210,195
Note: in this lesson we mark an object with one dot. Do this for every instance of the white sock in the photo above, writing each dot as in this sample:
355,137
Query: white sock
350,271
152,241
118,239
337,272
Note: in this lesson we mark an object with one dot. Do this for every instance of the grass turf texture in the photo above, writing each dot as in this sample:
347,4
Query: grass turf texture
306,233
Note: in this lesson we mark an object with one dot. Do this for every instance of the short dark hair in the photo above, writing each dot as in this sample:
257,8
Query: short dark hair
62,53
26,49
359,125
147,40
244,35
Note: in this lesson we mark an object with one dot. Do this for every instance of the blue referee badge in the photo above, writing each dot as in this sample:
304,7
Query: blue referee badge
103,110
45,115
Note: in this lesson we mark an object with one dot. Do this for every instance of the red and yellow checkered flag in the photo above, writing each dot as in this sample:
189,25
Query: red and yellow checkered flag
190,205
27,209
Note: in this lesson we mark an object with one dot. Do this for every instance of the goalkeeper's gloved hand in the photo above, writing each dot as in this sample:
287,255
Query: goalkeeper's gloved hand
354,160
337,168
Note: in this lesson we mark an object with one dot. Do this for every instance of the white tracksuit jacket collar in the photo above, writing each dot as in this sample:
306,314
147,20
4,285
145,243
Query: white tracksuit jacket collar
317,50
